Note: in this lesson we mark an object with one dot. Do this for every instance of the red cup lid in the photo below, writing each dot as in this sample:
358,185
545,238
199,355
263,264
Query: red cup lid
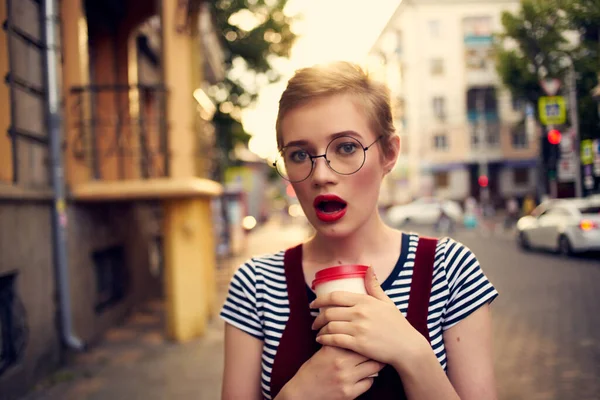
339,272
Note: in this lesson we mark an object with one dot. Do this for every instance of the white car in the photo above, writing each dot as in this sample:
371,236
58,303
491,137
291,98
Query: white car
565,225
426,210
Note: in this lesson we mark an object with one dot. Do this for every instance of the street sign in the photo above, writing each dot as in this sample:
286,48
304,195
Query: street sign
566,143
587,152
550,86
596,148
552,109
567,169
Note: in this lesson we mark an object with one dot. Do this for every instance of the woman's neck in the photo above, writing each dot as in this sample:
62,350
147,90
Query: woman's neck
370,239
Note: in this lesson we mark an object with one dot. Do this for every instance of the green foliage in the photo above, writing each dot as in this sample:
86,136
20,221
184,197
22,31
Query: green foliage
255,33
533,45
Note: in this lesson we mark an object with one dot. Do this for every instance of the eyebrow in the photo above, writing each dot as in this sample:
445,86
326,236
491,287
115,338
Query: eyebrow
329,137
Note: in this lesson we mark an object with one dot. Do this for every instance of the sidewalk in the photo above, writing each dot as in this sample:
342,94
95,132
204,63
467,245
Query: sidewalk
135,361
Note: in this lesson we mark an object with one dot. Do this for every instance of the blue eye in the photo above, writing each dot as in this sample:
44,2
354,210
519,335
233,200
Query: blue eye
298,156
347,148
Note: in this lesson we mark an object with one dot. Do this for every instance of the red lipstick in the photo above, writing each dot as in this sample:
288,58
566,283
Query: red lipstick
329,207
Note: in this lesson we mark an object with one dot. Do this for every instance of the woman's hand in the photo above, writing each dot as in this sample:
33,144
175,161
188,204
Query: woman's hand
369,325
331,373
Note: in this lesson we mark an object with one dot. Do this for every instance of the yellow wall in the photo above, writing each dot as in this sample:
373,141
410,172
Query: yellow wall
179,80
6,170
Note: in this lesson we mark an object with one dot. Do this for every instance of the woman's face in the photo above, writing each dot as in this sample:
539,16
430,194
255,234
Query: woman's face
336,205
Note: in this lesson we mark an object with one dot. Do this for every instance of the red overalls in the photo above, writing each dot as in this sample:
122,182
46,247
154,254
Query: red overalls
298,342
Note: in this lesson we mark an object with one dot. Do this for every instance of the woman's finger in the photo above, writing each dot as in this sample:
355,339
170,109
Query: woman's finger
367,369
347,342
339,327
338,299
330,315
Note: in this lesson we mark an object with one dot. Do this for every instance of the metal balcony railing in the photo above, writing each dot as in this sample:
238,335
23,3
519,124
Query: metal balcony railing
121,131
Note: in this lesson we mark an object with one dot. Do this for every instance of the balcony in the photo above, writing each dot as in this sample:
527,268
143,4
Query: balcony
121,131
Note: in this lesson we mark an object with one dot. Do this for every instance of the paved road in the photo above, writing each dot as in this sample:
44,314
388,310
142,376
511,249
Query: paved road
546,327
546,319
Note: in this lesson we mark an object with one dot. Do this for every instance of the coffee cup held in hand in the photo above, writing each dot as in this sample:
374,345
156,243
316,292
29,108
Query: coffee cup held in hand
341,278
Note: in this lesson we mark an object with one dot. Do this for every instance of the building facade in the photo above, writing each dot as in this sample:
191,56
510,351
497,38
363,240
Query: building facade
105,147
456,121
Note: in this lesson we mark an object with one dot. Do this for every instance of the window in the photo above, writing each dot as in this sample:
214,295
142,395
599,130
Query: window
482,102
519,137
434,28
521,176
474,132
440,142
437,66
25,156
590,210
13,325
492,134
441,179
111,276
439,107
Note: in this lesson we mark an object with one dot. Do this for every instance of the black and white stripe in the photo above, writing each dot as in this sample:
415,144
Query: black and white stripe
257,302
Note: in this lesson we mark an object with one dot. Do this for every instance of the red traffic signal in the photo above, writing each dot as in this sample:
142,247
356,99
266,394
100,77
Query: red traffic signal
554,136
483,181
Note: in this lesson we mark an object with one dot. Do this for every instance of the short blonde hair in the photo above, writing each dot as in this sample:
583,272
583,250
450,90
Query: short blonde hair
336,78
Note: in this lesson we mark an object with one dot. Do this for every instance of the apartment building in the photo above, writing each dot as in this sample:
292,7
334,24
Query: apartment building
455,120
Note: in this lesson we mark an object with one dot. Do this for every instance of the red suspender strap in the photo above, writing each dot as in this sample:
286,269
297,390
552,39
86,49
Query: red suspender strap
298,341
420,287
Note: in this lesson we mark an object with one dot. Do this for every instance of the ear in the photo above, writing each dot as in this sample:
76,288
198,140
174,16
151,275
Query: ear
391,155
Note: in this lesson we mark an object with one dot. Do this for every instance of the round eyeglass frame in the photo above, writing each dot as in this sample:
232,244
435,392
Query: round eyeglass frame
324,156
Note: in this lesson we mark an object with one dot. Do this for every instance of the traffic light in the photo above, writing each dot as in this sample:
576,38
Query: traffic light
554,136
483,181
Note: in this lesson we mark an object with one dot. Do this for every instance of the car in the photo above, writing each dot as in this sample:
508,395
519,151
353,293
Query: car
425,210
566,226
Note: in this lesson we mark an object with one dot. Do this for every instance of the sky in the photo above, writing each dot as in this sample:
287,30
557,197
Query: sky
330,30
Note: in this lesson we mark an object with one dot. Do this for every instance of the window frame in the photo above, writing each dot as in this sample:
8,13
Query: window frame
32,171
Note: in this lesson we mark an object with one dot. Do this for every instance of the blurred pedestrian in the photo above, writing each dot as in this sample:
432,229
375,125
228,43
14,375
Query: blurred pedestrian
512,213
471,213
337,142
528,204
445,224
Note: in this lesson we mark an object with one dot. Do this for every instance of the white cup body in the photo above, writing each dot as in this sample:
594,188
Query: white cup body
354,285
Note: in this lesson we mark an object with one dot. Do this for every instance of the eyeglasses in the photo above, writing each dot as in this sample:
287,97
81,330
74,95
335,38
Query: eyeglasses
344,155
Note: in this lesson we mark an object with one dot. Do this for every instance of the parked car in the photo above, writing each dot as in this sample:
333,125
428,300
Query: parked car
425,210
565,225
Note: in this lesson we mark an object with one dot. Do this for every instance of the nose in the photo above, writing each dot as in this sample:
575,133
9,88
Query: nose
322,174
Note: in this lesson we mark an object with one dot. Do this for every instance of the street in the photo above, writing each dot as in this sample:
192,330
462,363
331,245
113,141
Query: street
546,321
546,333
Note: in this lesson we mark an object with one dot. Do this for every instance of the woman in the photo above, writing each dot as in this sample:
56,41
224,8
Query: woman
337,140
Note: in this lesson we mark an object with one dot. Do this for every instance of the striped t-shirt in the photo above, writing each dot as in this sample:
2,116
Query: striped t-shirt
257,302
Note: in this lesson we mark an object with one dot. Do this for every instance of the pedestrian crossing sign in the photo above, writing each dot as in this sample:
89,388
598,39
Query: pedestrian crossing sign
552,109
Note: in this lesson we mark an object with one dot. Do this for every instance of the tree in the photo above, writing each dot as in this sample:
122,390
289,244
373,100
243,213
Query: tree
534,42
584,18
256,33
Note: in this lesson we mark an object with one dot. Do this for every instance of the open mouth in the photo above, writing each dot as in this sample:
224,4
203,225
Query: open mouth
330,208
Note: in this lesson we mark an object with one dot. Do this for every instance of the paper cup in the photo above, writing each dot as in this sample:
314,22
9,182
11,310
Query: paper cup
346,278
342,278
